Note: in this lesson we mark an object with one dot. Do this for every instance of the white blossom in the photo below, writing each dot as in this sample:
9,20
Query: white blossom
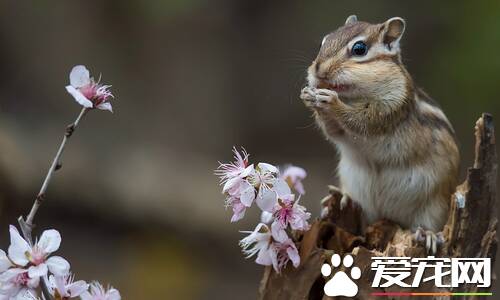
36,258
86,91
98,292
63,287
272,247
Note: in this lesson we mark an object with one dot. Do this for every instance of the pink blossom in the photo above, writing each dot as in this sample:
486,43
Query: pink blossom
240,193
86,91
228,171
288,211
16,282
271,247
294,176
238,208
285,252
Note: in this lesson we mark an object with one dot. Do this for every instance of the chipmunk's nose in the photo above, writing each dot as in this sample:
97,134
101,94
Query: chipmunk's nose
320,74
316,66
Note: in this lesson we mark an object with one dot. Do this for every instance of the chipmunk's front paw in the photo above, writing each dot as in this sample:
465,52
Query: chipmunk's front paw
326,96
318,98
308,95
431,239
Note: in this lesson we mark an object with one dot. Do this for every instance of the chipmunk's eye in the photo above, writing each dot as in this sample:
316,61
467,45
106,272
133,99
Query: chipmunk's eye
359,48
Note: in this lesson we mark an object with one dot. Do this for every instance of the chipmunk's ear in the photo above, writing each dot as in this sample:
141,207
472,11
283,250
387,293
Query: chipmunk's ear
351,19
392,31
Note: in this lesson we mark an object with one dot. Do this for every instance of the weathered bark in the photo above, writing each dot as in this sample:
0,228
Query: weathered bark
470,232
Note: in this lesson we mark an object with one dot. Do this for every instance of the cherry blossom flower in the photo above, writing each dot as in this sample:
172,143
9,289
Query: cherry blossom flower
64,287
36,258
271,249
98,292
238,208
286,251
240,193
228,171
288,211
15,283
86,91
269,198
243,183
240,188
264,177
258,242
294,175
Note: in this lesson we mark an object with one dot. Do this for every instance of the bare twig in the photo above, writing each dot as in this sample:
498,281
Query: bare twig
27,224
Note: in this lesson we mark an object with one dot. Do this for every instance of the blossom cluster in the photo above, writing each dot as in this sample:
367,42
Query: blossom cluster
24,266
270,188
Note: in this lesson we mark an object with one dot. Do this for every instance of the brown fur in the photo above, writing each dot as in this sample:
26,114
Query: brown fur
383,109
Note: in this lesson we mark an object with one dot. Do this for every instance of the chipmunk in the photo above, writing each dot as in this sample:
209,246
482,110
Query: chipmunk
398,155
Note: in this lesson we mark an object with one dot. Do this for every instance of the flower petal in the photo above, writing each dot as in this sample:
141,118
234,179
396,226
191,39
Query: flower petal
278,232
113,294
266,217
79,76
33,283
264,257
79,97
24,294
247,193
230,184
86,296
238,212
4,261
265,167
49,241
77,288
294,173
105,106
58,265
281,187
266,200
299,187
248,171
274,260
293,254
256,240
18,247
37,271
10,274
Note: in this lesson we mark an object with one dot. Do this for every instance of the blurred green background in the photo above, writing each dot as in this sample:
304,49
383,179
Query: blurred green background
136,201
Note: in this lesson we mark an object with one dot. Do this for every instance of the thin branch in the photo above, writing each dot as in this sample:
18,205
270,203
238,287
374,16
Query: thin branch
27,224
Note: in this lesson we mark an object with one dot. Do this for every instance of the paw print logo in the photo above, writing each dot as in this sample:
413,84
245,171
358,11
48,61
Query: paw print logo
341,284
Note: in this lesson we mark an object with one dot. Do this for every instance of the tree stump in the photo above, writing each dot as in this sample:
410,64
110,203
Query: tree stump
470,232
